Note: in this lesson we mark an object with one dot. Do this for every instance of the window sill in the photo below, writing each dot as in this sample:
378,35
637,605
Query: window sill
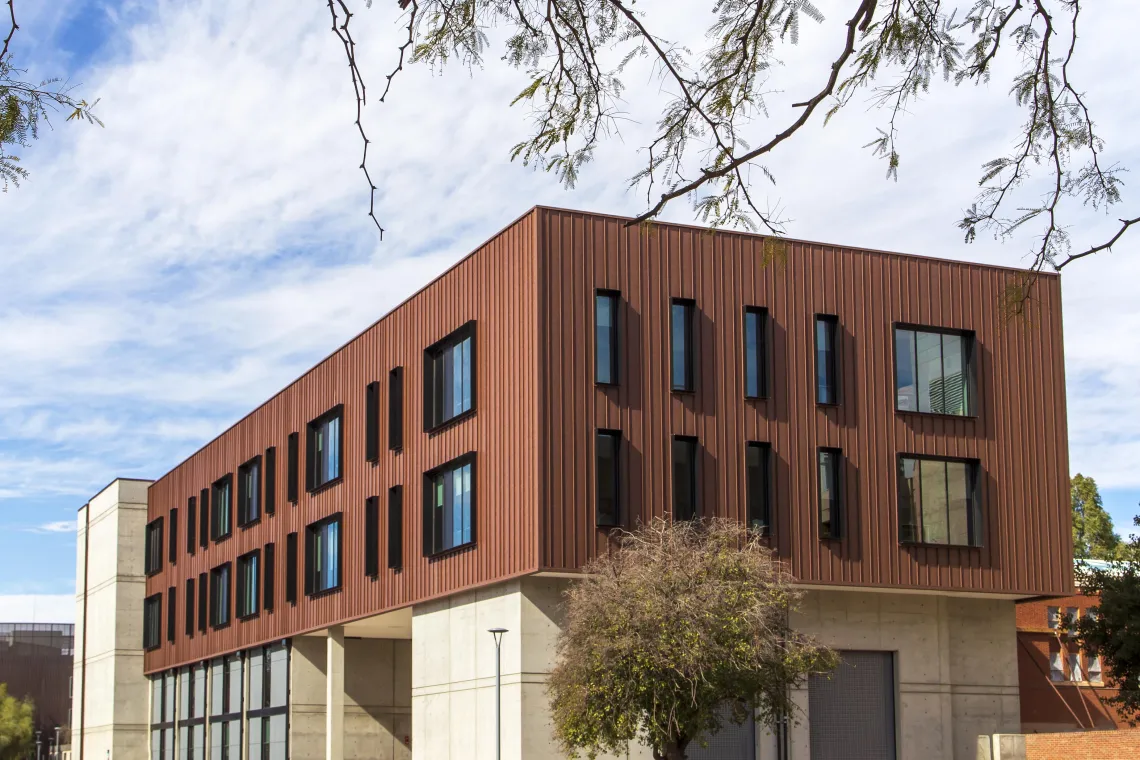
442,553
440,427
152,573
936,415
220,626
606,386
250,616
683,391
928,545
757,398
324,592
249,524
828,404
325,486
221,538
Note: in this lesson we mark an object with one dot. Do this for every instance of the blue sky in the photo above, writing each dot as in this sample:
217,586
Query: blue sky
161,276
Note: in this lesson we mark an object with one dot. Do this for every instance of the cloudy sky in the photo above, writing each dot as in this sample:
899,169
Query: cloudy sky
162,275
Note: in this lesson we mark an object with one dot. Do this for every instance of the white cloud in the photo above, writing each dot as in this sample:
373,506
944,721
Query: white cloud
37,608
60,526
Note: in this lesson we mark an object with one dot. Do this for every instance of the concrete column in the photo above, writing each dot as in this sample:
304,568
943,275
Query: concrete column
334,694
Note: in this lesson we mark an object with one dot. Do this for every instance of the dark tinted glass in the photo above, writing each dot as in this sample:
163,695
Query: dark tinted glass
684,479
681,316
605,338
608,506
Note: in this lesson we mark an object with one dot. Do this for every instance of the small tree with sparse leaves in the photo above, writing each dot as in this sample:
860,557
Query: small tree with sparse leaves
661,635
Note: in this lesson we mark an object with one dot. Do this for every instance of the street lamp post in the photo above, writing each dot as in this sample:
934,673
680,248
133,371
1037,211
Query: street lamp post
498,634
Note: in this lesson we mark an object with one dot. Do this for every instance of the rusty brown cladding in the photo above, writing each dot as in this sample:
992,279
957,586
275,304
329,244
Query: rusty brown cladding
1018,436
530,290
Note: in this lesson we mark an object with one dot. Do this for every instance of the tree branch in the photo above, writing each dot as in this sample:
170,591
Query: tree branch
11,30
1124,225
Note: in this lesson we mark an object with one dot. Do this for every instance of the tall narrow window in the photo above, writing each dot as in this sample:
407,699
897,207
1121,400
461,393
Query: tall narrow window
934,371
269,584
395,527
152,621
449,377
189,609
221,504
938,501
171,612
1074,663
757,482
372,536
249,492
203,599
192,713
204,514
268,702
323,453
162,716
1056,663
372,422
220,596
323,555
294,467
226,682
291,568
681,349
755,352
606,337
449,506
830,493
270,480
191,524
153,547
607,505
826,359
396,408
1094,670
172,551
1053,617
685,505
248,584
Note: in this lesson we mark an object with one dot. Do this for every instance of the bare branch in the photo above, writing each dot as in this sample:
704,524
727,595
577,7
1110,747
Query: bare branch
11,29
1124,225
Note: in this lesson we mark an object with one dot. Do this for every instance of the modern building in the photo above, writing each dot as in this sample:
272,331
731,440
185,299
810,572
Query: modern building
35,663
321,578
1063,688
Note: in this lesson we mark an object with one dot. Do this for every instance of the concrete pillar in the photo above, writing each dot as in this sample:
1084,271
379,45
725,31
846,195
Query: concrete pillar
334,694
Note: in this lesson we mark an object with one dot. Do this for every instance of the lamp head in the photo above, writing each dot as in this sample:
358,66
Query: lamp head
498,634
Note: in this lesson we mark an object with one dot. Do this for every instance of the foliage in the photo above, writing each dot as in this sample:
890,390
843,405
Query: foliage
1093,534
680,620
1114,632
25,107
16,727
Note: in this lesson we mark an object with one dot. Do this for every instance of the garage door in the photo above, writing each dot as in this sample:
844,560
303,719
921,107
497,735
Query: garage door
732,742
851,715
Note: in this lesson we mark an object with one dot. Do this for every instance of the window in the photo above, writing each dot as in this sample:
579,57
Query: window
1094,670
189,607
248,584
1053,617
294,467
938,501
1056,665
372,422
271,480
154,546
249,492
606,337
268,702
933,372
1073,660
757,475
826,359
323,555
755,352
372,536
830,493
225,707
607,504
203,598
173,550
684,478
291,568
221,503
1071,615
449,506
171,613
191,525
152,622
162,716
204,515
270,573
681,350
220,596
192,713
323,451
395,527
449,377
396,409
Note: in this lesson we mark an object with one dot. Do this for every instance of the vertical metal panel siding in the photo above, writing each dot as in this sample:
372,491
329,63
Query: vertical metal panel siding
1019,434
496,286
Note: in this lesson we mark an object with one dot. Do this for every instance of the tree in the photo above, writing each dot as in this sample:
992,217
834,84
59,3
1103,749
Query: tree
1114,631
710,140
26,106
16,729
1093,534
661,634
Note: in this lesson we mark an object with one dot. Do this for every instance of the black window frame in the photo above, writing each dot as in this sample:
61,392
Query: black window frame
265,713
758,487
762,359
688,359
152,622
396,409
268,576
433,381
312,572
970,370
269,482
694,446
312,461
171,612
246,500
975,514
204,518
189,607
395,527
152,557
614,358
172,548
221,615
372,536
372,422
223,485
227,716
291,568
241,588
203,602
431,548
833,528
293,486
836,386
191,525
165,725
198,675
613,518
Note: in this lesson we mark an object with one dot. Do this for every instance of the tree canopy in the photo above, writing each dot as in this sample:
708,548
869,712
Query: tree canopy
681,623
16,728
1093,534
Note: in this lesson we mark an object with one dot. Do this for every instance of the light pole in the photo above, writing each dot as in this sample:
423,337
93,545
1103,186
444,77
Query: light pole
498,634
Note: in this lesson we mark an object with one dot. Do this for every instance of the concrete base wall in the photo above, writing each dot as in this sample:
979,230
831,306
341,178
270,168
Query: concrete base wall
377,699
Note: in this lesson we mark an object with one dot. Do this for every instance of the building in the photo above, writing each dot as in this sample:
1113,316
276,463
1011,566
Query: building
1062,687
35,663
322,576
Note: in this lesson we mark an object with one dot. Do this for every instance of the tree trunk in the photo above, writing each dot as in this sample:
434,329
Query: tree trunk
674,750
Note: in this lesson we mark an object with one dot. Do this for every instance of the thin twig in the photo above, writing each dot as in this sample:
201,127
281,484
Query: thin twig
11,30
1124,225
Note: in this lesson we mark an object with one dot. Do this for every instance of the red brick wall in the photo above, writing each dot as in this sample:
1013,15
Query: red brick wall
1089,745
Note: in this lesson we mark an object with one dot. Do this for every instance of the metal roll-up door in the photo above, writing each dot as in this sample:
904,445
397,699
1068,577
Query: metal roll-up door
851,715
732,742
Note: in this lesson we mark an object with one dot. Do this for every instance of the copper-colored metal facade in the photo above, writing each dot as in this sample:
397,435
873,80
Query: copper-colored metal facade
531,291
